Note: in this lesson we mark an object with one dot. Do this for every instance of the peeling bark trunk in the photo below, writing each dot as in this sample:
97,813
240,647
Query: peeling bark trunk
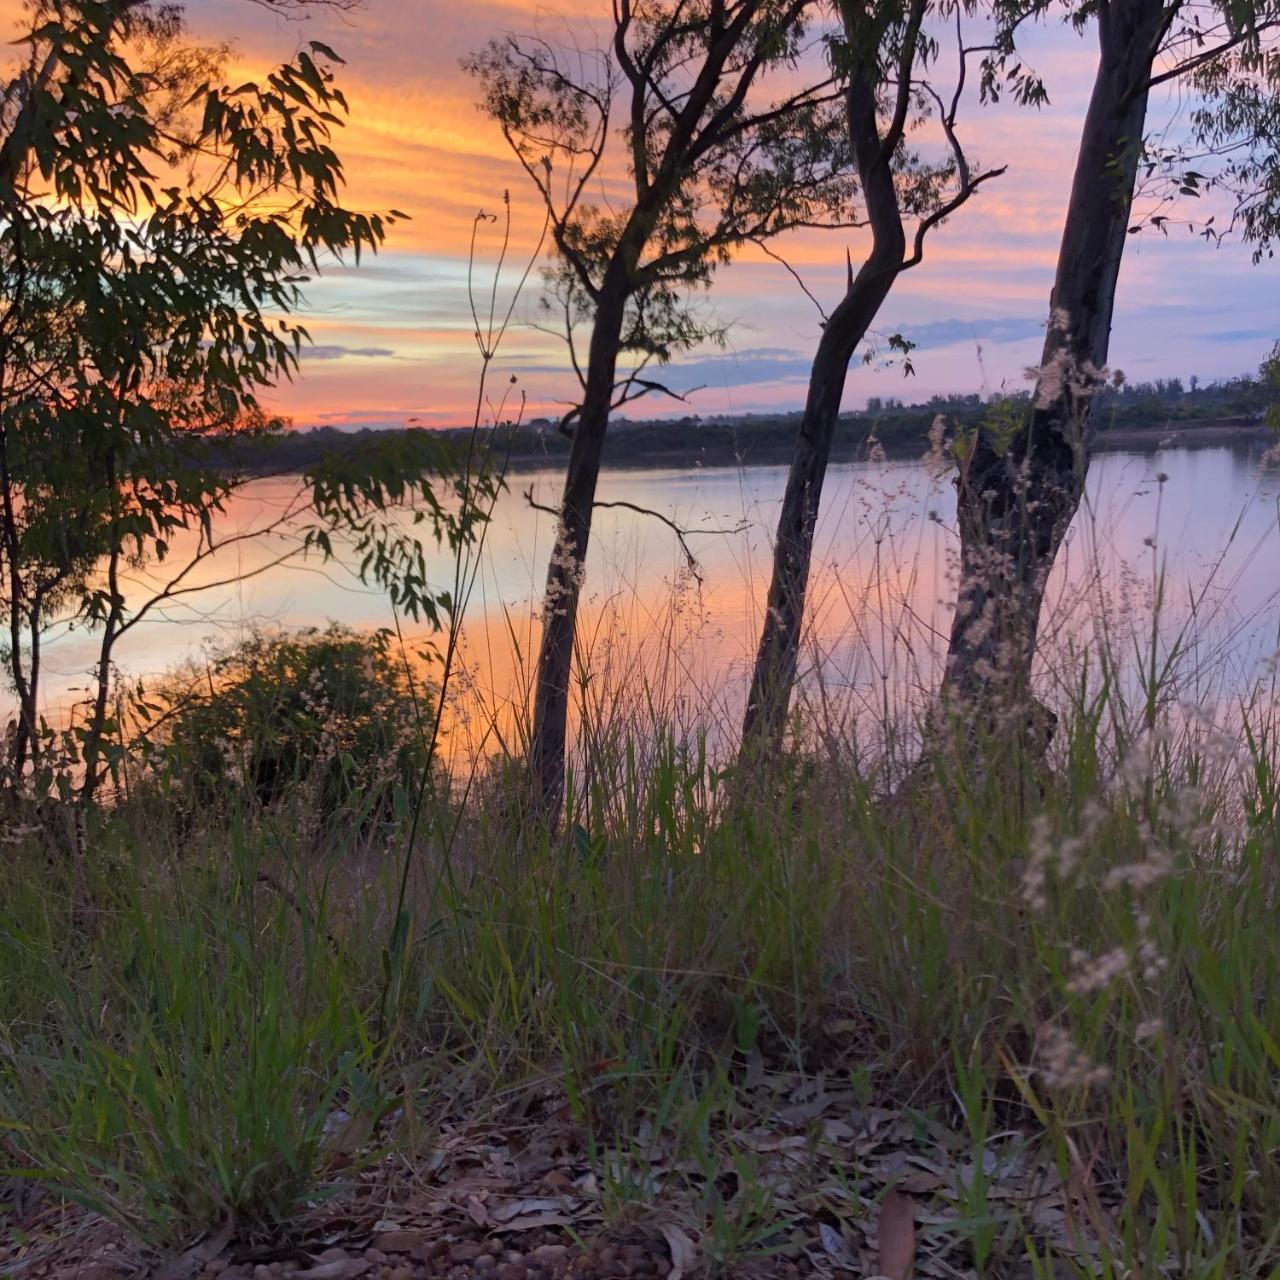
778,653
568,557
1016,502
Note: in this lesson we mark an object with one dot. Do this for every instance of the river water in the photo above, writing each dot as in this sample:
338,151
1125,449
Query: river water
1192,530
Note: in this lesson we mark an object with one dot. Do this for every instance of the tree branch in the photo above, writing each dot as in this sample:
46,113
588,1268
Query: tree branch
793,273
906,61
682,534
1193,64
945,211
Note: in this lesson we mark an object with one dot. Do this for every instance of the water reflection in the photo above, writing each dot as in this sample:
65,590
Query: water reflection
655,634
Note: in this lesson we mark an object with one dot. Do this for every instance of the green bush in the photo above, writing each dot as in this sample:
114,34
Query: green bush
333,715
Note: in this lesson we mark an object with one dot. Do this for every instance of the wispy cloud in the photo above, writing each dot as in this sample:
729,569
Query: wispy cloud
945,333
334,351
748,367
1243,335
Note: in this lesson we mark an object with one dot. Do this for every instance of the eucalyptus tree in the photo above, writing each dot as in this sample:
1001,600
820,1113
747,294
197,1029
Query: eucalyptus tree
712,161
1019,485
157,227
885,59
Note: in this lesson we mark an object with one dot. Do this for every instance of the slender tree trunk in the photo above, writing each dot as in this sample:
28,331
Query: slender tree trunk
779,648
31,711
96,729
25,741
568,557
1016,502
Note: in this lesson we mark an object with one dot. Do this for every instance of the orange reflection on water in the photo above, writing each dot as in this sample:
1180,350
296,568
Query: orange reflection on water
657,644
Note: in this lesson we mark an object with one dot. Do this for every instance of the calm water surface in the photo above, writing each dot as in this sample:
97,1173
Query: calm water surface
655,633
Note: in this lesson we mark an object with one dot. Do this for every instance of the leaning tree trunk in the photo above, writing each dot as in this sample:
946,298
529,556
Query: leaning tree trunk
1016,499
569,555
778,653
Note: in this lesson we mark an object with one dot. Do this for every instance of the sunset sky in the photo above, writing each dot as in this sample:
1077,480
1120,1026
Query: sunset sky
393,337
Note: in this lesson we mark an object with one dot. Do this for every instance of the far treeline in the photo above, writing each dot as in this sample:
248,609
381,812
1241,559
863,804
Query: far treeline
1137,415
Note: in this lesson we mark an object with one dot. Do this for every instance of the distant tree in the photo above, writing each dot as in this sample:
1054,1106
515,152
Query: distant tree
156,229
1017,495
1270,375
711,166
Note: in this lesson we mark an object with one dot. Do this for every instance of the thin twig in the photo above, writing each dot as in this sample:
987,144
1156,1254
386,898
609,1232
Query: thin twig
793,273
682,534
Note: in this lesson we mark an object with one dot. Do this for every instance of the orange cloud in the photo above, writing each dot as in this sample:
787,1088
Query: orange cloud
415,142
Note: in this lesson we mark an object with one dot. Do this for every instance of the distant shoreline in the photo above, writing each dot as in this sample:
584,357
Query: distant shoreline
1190,435
687,444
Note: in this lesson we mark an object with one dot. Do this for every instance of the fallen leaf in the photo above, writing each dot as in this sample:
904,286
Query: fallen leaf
193,1261
896,1231
802,1112
833,1243
399,1241
519,1208
530,1221
684,1253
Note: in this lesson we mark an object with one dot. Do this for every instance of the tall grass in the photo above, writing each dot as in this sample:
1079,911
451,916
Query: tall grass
203,1025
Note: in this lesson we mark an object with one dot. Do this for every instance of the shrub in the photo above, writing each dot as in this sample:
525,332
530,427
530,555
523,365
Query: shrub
334,713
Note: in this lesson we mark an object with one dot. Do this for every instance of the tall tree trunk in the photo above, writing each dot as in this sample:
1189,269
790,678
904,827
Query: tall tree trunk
1016,499
778,652
569,554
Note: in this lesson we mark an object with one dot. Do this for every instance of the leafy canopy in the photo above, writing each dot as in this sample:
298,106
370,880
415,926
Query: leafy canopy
158,226
710,162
